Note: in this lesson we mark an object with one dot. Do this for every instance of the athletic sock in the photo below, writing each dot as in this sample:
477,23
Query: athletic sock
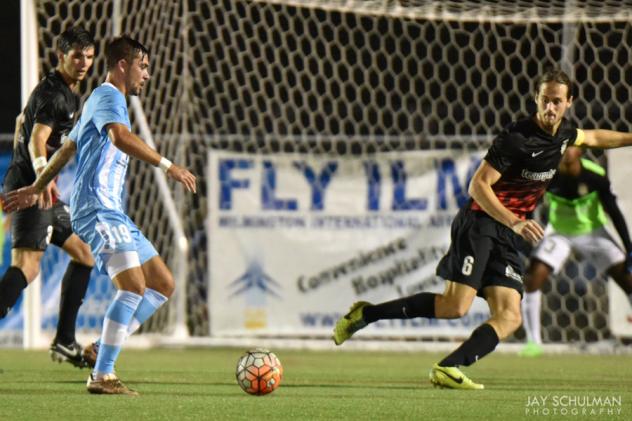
152,301
115,325
418,305
531,304
11,286
73,289
482,341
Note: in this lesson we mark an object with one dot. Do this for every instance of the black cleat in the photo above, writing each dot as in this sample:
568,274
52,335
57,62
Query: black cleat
70,353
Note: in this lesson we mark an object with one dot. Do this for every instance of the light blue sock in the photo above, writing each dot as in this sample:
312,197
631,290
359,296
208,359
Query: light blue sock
152,301
115,325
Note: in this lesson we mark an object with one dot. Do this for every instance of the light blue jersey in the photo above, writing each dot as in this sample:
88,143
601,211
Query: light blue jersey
101,167
96,203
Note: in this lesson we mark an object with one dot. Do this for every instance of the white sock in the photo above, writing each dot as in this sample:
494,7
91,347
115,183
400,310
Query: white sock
531,305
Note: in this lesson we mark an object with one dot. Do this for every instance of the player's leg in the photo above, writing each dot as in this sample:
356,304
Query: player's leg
74,285
130,283
25,266
548,257
504,304
31,231
159,287
455,302
464,263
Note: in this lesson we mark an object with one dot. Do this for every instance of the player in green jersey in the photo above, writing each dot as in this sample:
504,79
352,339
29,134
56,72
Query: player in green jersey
579,198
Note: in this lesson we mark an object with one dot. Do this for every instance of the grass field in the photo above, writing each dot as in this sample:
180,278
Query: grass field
199,384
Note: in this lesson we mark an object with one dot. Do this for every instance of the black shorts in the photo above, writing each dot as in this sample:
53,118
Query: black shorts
35,228
482,253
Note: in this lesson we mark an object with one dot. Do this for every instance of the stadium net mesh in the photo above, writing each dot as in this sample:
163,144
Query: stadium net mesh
353,77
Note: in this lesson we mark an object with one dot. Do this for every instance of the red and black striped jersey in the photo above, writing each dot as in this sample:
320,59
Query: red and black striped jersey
527,157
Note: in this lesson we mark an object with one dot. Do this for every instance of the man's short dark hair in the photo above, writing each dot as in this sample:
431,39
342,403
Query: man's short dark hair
123,47
74,37
555,74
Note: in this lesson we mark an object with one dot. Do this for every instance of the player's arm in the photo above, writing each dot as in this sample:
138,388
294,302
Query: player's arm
19,120
481,191
610,205
132,145
604,139
37,151
27,196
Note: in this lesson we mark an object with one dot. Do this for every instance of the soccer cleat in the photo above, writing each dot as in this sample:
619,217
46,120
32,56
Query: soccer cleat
108,385
90,354
70,353
350,323
452,378
531,350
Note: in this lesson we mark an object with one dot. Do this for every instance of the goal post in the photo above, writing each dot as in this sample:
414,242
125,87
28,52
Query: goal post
277,103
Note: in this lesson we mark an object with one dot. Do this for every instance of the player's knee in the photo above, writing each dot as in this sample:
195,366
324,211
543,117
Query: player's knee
166,285
452,309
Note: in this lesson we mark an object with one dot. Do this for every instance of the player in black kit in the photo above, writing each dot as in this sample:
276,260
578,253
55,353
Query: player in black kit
48,116
488,232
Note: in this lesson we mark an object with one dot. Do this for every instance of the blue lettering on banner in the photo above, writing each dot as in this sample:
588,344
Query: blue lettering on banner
374,183
400,201
318,184
447,170
268,199
319,181
227,183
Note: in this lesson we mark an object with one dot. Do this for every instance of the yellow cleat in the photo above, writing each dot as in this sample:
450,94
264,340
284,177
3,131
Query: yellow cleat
452,378
350,323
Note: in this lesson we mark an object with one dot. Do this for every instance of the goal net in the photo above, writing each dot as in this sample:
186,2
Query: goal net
333,141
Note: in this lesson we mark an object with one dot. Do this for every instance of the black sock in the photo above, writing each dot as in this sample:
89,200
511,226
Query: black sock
482,341
418,305
11,286
73,289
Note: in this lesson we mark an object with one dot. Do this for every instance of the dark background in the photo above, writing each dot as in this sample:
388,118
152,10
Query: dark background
10,69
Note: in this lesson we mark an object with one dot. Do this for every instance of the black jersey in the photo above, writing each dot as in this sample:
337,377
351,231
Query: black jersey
52,103
527,157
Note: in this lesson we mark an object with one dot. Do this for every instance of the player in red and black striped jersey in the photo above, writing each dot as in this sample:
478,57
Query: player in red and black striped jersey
47,117
487,233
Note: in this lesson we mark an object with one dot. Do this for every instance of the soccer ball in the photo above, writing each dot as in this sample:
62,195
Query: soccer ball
259,372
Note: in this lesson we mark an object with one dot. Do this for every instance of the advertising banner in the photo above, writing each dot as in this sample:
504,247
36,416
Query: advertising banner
295,239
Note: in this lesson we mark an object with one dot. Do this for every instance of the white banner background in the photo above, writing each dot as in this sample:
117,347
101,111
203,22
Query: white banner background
295,271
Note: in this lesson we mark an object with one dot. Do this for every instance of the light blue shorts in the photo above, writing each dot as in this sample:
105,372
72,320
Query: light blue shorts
110,233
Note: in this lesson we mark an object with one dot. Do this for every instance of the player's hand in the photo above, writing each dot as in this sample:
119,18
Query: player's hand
20,199
183,176
45,200
530,230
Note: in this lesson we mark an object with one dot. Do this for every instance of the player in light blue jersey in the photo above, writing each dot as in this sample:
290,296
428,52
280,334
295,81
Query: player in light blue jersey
103,142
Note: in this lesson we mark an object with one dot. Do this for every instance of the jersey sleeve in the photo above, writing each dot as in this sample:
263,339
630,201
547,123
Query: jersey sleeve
111,108
502,154
47,111
579,138
74,133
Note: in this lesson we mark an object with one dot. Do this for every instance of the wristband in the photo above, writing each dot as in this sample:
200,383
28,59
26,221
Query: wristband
165,164
39,163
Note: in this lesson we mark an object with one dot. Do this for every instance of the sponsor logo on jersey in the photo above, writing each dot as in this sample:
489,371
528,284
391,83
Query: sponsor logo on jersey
534,154
538,176
512,274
